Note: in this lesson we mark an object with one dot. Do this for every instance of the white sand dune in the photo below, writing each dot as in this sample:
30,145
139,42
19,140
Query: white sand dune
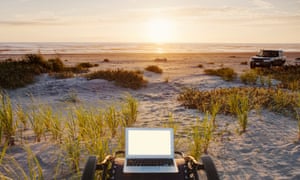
266,151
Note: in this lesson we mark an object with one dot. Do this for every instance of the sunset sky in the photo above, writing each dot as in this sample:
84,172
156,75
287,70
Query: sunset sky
230,21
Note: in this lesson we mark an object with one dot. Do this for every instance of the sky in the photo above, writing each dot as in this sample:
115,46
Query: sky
159,21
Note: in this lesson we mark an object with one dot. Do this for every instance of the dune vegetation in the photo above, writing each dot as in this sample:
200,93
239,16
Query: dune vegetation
124,78
238,101
154,68
84,130
226,74
289,77
15,74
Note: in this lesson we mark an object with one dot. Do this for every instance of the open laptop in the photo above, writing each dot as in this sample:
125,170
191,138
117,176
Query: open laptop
149,150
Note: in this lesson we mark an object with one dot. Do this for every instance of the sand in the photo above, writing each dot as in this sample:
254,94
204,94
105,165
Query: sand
268,150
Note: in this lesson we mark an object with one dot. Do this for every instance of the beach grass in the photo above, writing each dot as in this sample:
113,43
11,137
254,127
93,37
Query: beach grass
241,109
200,66
215,108
113,120
154,68
129,111
123,78
86,65
276,100
226,74
83,130
201,134
15,74
250,77
15,170
288,75
297,110
8,125
174,124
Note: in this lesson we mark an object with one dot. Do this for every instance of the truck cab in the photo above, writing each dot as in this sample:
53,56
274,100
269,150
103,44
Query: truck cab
267,58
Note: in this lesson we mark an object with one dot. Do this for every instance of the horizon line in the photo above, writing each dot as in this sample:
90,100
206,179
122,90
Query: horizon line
160,43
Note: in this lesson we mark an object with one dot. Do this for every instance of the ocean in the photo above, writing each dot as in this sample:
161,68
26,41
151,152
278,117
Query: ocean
82,48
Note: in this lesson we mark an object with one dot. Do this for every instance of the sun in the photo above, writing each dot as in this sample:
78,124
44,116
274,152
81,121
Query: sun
160,30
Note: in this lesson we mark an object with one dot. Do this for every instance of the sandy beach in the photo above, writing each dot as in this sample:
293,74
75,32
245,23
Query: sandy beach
268,150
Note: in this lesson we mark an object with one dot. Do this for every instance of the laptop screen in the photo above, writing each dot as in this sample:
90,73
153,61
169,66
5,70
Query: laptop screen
152,142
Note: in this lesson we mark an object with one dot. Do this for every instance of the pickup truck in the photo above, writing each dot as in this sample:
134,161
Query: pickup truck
267,58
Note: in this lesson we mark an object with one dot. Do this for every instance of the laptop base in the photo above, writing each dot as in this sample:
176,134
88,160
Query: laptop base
118,172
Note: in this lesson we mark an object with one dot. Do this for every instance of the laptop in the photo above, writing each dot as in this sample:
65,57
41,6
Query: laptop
149,150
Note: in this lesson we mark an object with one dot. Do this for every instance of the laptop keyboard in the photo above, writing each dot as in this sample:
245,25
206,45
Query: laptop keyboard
150,162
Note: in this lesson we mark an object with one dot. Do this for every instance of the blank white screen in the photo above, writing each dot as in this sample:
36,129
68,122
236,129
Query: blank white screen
149,142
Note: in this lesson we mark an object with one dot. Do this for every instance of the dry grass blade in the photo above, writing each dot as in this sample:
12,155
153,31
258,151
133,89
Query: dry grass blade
7,124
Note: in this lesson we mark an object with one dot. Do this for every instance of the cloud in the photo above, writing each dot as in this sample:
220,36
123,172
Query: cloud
261,4
35,22
190,12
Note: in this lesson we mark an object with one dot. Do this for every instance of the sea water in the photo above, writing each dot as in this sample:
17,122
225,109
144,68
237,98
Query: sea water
82,48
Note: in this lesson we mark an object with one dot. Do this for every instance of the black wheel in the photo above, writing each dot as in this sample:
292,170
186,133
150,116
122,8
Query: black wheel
90,168
252,65
209,168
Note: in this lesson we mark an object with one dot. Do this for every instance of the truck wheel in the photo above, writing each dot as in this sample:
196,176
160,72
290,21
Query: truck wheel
209,168
252,66
90,168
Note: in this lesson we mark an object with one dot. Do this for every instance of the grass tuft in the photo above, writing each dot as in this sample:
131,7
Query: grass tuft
129,111
227,74
15,74
124,78
289,76
7,124
276,100
202,133
154,69
249,77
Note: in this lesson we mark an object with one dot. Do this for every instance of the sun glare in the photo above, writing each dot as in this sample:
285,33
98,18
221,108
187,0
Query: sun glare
160,30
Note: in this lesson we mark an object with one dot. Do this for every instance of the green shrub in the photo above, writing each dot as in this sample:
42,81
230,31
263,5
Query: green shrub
154,69
15,74
200,65
85,65
56,65
35,59
249,77
124,78
227,74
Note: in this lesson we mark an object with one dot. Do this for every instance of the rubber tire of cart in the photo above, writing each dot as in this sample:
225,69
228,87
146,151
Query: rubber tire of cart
209,168
90,168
